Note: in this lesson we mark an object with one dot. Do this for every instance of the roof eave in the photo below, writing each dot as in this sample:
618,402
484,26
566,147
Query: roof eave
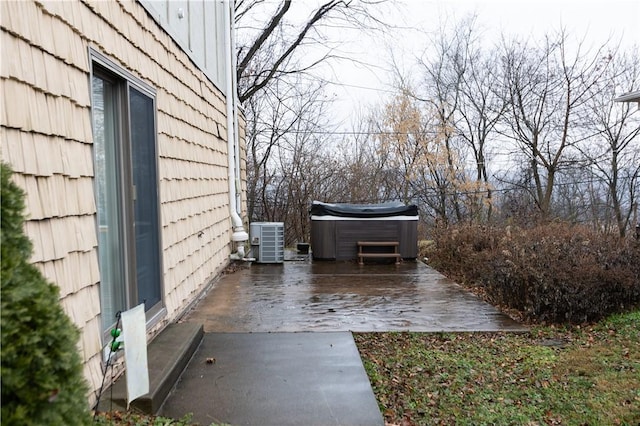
629,97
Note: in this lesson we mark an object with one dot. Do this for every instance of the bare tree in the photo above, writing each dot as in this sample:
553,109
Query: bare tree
573,152
403,142
614,150
481,108
424,166
549,89
443,76
268,46
285,142
268,122
279,43
459,84
362,170
301,171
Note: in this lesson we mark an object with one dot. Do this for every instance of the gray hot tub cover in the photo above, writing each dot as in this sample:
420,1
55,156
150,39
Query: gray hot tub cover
396,208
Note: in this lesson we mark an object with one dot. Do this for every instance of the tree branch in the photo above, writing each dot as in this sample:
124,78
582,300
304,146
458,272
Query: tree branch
262,38
258,85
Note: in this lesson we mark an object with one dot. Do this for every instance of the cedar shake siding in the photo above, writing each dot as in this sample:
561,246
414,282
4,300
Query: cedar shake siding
47,138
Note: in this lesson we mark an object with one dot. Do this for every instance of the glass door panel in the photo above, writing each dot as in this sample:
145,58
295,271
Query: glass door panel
145,198
108,201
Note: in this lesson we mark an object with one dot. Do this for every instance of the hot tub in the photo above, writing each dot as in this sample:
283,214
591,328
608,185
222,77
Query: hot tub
336,228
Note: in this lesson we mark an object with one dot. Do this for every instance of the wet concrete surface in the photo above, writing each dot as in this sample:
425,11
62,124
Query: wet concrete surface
276,379
277,338
307,295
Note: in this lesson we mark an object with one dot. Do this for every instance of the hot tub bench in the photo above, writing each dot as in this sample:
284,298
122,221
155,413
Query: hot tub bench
365,246
336,230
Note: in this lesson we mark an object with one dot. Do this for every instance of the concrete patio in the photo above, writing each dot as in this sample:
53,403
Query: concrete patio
277,347
343,296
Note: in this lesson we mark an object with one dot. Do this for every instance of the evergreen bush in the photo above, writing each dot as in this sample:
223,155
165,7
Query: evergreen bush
41,371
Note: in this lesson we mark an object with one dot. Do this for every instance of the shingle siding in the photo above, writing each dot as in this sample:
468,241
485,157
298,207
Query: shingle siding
47,139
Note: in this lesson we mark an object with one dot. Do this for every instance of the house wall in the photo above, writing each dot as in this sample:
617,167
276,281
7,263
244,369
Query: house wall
198,27
47,139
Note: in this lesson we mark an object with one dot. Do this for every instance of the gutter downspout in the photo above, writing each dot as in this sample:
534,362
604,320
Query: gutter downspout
234,82
239,235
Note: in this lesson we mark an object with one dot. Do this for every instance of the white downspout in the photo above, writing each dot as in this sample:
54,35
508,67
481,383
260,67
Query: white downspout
239,235
234,82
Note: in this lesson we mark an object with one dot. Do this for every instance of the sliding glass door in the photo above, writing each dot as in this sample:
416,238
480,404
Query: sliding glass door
126,185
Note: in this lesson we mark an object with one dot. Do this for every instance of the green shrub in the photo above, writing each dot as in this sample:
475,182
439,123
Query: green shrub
552,273
42,381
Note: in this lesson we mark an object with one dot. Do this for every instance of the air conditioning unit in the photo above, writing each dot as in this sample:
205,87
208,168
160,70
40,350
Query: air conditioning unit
267,241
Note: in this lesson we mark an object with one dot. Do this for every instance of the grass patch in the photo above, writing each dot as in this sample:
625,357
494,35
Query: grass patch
121,418
552,375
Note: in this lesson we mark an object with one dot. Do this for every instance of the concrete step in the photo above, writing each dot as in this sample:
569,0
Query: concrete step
167,355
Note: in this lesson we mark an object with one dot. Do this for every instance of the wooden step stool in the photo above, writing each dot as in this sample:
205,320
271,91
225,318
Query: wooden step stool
362,253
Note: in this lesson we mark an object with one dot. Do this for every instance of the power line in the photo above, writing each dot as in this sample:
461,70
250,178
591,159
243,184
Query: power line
355,86
385,133
357,133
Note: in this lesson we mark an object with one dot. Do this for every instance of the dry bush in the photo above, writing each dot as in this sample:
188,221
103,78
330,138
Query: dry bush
550,273
462,252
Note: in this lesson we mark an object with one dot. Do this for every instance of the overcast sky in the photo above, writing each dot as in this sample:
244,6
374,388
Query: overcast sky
595,21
